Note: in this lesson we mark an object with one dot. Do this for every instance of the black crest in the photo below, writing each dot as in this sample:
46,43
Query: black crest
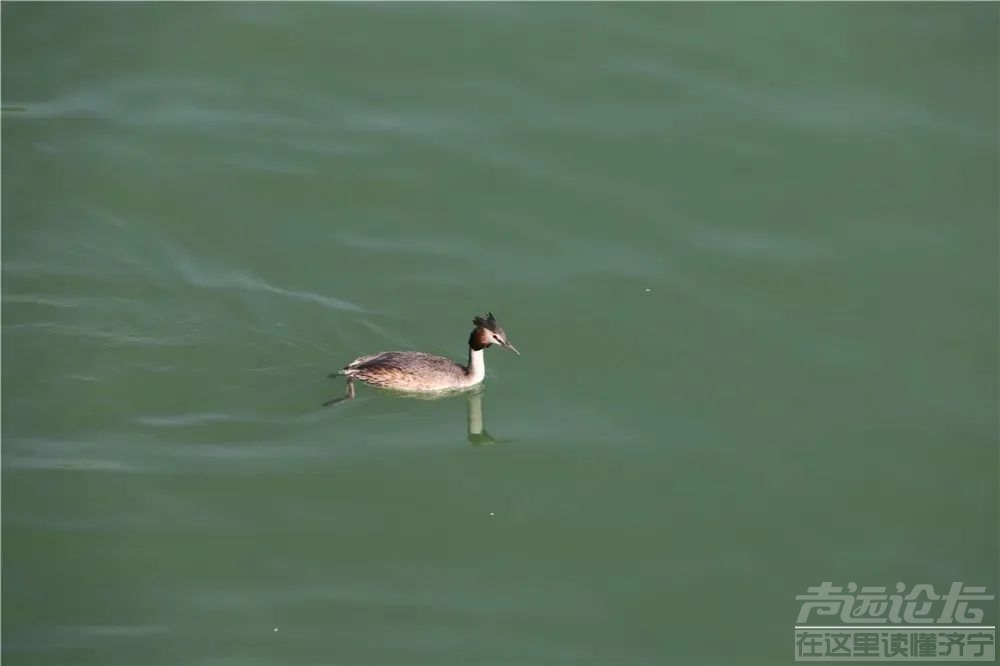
488,322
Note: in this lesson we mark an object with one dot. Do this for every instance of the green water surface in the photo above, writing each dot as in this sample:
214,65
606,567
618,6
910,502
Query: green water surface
748,254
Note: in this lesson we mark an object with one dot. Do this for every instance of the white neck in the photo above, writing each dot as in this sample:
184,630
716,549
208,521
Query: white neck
476,371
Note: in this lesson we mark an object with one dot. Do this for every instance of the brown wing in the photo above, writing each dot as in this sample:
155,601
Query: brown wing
404,370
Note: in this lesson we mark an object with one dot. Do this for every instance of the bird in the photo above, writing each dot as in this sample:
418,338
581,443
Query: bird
417,372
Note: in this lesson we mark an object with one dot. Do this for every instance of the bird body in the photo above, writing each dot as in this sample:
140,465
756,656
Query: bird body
416,371
412,371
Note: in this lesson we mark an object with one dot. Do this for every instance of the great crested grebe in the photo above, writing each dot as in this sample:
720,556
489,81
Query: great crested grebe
419,372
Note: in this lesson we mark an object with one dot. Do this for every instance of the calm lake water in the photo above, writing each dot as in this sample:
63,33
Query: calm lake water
748,254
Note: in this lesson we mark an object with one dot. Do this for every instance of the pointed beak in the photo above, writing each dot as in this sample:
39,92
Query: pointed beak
507,345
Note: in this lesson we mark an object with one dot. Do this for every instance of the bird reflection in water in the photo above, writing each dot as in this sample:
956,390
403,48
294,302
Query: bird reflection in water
478,436
476,426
